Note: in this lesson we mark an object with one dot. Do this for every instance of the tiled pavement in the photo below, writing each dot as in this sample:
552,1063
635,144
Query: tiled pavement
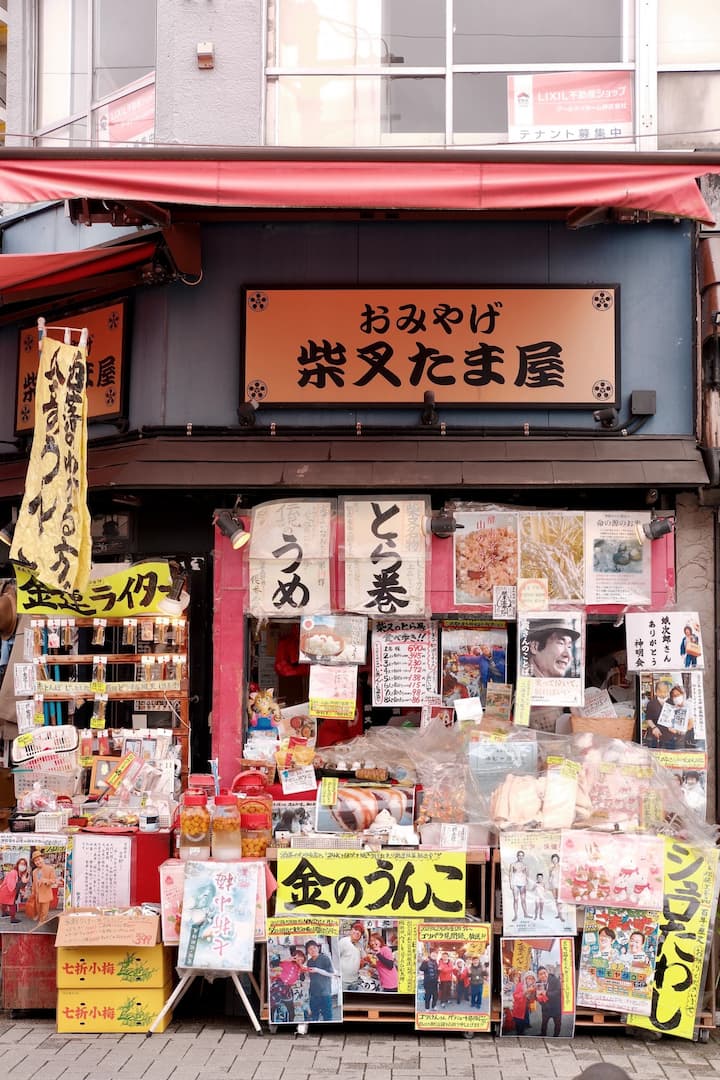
228,1048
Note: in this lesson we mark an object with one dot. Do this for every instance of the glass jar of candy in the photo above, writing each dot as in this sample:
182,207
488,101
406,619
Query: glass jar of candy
226,836
194,828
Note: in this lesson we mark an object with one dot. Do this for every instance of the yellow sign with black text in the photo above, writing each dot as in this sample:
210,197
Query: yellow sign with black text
135,590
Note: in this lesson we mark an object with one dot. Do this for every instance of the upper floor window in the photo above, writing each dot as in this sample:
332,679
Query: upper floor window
388,72
96,65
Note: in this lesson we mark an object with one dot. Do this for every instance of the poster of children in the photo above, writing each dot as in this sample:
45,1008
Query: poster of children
538,987
369,956
453,977
32,889
607,869
304,973
474,654
530,876
617,960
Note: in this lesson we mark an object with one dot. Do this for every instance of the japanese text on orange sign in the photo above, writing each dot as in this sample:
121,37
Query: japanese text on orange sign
104,365
689,903
496,346
407,884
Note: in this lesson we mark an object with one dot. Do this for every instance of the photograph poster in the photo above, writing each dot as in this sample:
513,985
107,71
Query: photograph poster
617,959
485,550
304,979
538,987
672,710
552,548
217,924
377,956
689,770
530,876
550,653
474,654
33,885
453,979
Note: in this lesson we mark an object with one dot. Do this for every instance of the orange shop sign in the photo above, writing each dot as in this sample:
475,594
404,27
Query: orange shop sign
529,347
105,363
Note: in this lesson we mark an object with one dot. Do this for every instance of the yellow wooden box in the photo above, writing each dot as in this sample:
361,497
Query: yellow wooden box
128,1009
113,966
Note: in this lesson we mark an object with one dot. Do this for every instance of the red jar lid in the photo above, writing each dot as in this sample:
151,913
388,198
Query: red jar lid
226,800
254,821
195,799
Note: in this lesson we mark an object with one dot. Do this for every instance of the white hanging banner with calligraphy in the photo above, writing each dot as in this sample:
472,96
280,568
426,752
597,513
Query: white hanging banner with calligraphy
405,663
52,535
290,557
664,640
386,556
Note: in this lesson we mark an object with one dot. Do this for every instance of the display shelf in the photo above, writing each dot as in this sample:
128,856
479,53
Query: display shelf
172,691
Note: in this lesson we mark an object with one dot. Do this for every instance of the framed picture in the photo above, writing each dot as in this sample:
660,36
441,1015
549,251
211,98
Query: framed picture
101,769
133,746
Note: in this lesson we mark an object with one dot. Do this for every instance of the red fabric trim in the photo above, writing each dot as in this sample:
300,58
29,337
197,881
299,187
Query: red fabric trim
662,189
19,273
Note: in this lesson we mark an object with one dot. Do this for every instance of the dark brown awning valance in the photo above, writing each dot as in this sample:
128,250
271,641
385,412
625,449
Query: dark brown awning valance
366,462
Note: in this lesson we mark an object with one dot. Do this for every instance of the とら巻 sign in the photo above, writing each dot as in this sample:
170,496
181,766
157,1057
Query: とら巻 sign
540,347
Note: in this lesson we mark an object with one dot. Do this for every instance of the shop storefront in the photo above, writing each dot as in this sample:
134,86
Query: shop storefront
386,518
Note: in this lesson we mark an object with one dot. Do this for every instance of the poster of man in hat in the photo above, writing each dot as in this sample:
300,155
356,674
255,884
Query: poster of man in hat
550,653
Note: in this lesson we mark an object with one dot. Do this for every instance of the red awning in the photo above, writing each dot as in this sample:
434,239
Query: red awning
266,181
22,274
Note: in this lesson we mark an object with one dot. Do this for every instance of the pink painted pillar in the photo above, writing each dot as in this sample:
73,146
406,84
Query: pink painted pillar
228,630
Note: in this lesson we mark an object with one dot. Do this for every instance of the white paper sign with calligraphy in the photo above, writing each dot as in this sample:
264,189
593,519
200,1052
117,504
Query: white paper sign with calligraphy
386,546
52,535
290,550
664,640
405,663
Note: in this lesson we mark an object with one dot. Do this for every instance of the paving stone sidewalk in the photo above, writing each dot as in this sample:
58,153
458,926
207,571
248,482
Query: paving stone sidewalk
228,1048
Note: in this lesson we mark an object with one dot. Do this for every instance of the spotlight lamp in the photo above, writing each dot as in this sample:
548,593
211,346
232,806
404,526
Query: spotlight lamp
443,525
607,417
231,526
654,529
429,416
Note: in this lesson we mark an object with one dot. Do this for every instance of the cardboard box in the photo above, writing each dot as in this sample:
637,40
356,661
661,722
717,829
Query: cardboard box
98,1011
87,926
113,966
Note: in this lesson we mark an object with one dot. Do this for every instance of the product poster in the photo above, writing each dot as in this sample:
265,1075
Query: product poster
689,769
618,559
333,639
550,654
485,551
611,870
404,663
32,889
333,690
453,981
292,818
474,654
289,561
684,939
552,547
172,889
664,641
377,956
217,925
672,710
304,982
498,703
386,556
617,959
400,884
357,807
538,987
530,878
